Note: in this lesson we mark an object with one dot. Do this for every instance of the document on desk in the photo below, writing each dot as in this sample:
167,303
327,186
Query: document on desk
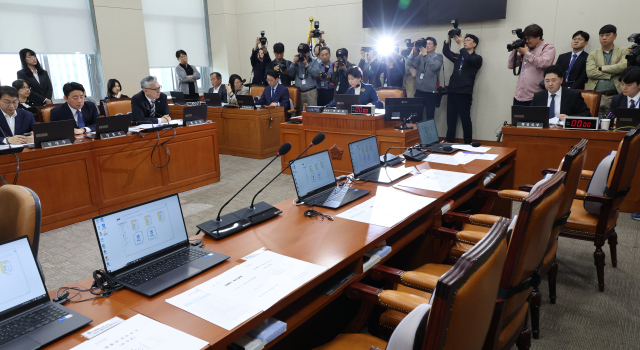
13,146
387,208
442,159
470,148
142,333
467,157
240,293
436,180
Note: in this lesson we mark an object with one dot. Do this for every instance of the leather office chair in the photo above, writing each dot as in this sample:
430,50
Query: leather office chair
384,92
44,112
256,90
294,96
462,305
114,106
592,99
527,246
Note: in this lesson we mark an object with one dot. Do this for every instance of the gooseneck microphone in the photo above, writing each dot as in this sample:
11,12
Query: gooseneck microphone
390,148
316,141
284,149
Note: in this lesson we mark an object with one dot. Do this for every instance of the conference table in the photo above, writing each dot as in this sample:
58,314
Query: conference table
337,245
92,177
539,149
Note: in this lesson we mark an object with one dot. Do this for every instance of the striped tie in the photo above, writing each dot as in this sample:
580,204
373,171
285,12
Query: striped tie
152,113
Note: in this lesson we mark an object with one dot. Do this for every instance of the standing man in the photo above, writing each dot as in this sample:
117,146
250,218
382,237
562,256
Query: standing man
14,122
427,64
372,67
275,95
604,66
280,65
150,104
340,67
409,81
325,88
84,113
561,100
186,74
259,60
534,58
218,87
466,65
305,71
574,63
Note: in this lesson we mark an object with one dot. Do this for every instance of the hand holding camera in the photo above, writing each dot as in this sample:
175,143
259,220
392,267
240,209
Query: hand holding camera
263,39
519,43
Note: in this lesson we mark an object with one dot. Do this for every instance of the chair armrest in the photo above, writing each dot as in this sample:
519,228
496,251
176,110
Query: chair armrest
549,171
597,199
292,111
483,219
456,217
526,188
513,195
364,292
401,301
586,174
418,280
580,194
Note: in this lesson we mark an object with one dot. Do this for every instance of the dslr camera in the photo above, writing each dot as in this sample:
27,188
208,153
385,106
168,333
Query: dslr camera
420,43
317,32
283,67
518,43
342,61
632,57
455,31
263,39
302,50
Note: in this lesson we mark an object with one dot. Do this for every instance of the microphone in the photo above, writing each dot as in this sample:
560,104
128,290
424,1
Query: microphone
475,144
385,153
316,141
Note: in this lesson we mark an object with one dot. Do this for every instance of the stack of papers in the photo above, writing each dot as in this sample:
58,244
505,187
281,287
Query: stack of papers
436,180
442,159
467,157
470,148
14,146
240,293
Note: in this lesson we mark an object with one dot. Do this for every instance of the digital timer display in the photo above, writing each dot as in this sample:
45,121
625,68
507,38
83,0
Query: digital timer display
367,110
581,123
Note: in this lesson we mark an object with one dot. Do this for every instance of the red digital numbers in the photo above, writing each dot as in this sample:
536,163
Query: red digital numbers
360,109
577,123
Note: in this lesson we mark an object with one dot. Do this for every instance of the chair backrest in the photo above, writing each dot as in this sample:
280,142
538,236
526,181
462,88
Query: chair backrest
20,214
114,106
256,90
464,298
592,99
392,92
527,247
294,95
44,112
624,167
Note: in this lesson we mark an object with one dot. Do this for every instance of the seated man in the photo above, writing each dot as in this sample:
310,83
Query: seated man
150,105
218,86
630,96
561,101
14,122
84,113
275,95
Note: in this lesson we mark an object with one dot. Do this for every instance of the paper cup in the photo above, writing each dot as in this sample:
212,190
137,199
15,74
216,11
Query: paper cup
604,124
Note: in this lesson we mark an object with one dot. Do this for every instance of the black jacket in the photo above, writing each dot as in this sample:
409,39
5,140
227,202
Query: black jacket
285,79
340,80
43,88
571,103
140,108
462,80
24,123
371,71
578,75
395,75
89,114
259,68
618,101
222,91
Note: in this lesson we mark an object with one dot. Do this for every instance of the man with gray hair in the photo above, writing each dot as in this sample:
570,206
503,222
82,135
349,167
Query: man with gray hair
150,104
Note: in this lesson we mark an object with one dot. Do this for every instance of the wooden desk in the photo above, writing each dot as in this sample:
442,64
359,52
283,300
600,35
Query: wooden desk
340,130
539,149
89,178
244,133
337,245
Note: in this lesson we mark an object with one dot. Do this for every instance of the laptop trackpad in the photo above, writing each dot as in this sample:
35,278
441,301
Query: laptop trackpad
22,343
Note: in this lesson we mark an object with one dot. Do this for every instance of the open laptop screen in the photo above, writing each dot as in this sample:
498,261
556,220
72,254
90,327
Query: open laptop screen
19,276
312,172
128,235
428,132
364,154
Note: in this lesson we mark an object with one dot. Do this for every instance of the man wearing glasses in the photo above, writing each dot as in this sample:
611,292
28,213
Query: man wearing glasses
84,113
150,104
574,63
14,122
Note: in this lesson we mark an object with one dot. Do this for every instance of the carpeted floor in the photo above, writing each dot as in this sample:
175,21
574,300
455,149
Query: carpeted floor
582,318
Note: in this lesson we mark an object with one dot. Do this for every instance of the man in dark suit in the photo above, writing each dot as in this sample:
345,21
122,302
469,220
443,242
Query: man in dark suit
275,95
150,104
218,86
14,122
630,96
84,113
561,101
574,63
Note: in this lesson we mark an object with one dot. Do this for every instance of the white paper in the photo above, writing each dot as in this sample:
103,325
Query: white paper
142,333
470,148
12,146
442,159
387,208
464,158
436,180
238,294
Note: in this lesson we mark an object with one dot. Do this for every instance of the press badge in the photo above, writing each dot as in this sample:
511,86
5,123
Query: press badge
304,81
422,76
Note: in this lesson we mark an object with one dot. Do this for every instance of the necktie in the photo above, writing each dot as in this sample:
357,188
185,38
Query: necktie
632,104
152,113
573,60
273,91
80,120
552,107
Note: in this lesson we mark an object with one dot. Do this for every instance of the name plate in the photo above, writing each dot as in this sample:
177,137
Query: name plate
52,144
110,135
315,109
195,122
335,111
538,125
247,107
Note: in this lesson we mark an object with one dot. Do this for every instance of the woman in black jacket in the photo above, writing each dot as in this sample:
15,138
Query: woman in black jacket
37,78
27,99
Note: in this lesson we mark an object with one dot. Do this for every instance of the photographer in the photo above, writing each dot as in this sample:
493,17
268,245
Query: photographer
395,66
259,60
280,65
325,88
305,71
534,57
466,65
372,67
427,64
315,54
340,67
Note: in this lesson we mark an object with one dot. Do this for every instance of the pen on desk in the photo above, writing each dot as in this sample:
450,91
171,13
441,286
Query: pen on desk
472,153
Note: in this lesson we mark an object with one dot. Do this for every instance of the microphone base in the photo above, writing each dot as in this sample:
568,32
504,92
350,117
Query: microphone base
239,220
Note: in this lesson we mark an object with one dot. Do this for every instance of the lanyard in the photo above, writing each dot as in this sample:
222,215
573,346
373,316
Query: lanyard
610,57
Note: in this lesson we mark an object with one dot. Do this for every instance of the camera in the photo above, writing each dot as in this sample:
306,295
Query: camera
263,39
455,31
632,57
518,43
301,57
340,53
282,66
316,32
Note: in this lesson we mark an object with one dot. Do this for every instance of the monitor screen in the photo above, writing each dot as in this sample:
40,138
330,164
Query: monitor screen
132,234
364,154
312,172
19,276
428,132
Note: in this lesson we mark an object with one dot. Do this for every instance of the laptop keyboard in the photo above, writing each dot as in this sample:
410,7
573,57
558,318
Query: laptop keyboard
325,196
28,322
162,266
370,176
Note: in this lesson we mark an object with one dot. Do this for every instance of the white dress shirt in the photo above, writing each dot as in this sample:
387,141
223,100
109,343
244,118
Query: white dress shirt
75,117
35,75
152,102
11,120
635,99
215,89
356,91
556,101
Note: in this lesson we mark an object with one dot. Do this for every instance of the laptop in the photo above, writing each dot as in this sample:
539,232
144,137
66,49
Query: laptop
114,126
179,98
366,164
429,140
316,184
627,117
212,99
54,131
28,317
344,101
530,116
245,101
146,248
194,115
